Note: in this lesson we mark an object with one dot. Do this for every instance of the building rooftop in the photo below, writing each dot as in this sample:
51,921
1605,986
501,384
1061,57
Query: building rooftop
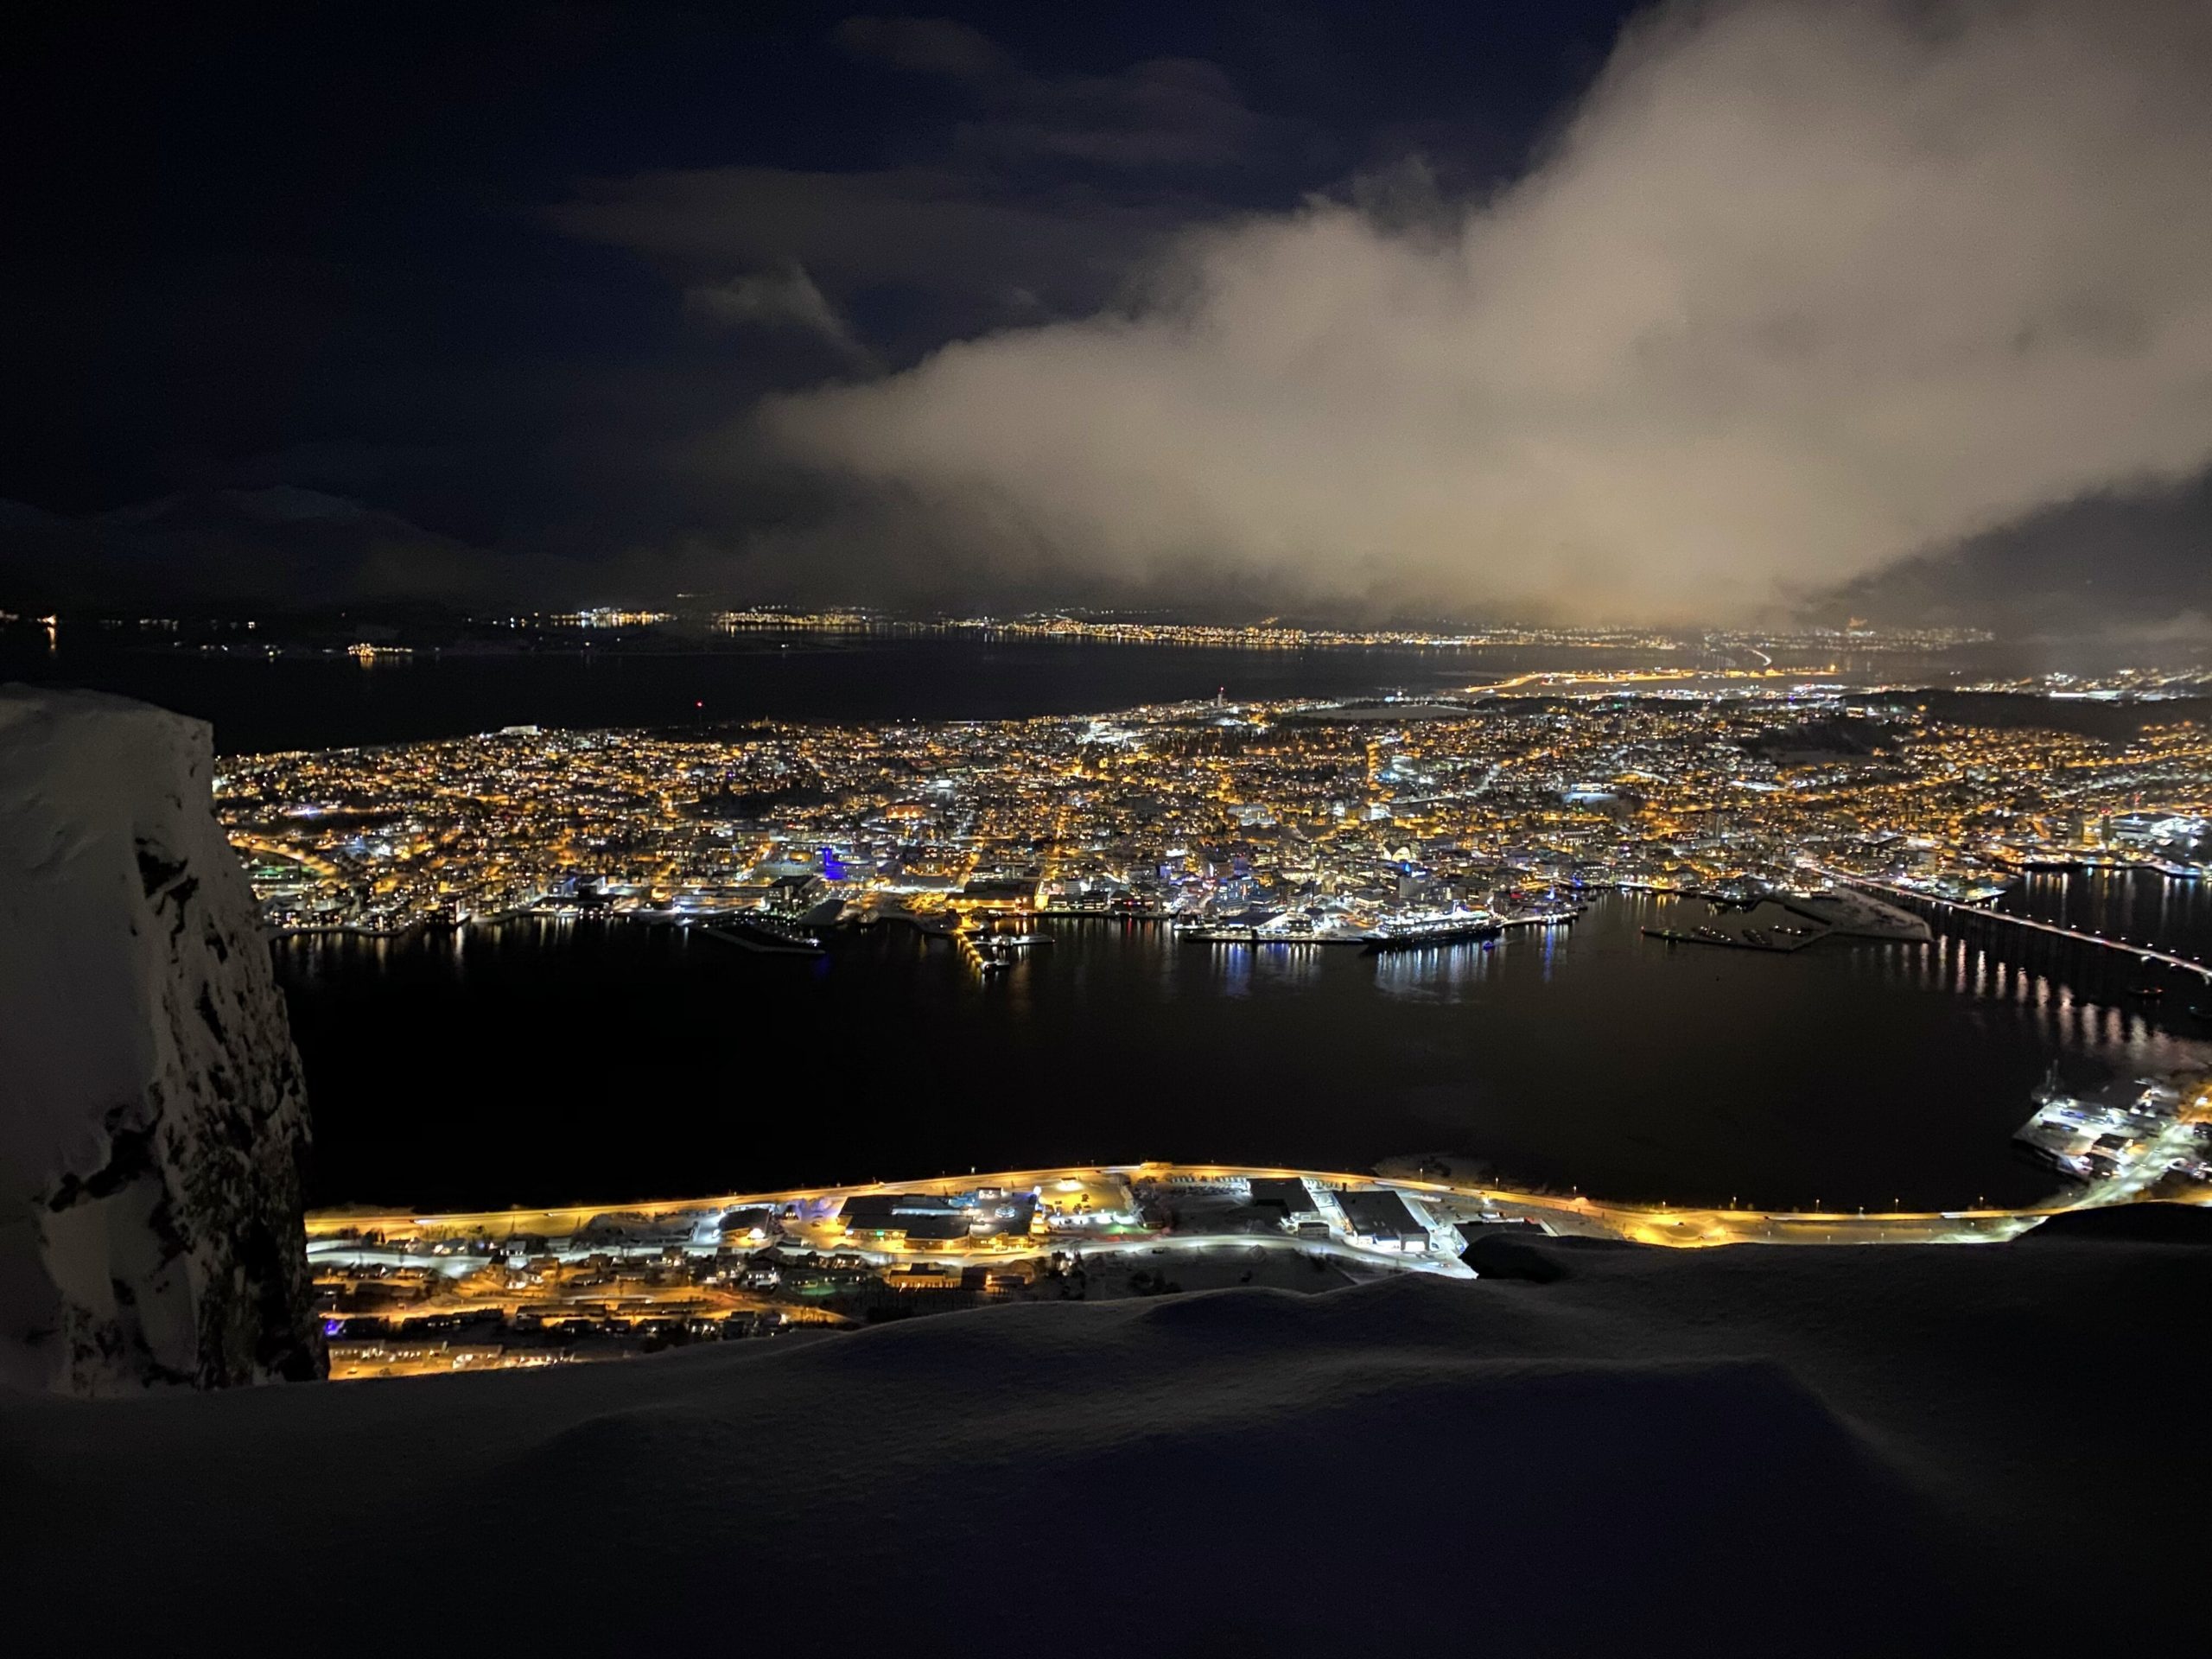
1379,1215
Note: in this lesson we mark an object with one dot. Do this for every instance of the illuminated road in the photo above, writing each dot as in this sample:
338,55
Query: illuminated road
392,1288
1569,680
1460,1202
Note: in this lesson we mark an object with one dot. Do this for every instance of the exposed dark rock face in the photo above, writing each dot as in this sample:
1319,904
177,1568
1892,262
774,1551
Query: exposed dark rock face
155,1127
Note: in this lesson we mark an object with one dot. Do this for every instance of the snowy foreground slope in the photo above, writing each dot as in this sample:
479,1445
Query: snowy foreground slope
1916,1449
152,1121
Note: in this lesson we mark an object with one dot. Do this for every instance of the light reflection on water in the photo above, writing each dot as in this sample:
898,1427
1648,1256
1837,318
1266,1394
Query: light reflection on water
545,1061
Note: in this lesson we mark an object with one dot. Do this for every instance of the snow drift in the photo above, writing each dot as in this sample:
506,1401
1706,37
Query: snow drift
155,1124
1919,1449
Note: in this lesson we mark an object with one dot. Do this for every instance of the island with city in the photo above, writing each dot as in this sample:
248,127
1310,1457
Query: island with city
1379,822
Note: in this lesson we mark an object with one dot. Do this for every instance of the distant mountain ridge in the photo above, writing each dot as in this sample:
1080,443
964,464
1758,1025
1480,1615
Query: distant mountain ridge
2123,562
280,546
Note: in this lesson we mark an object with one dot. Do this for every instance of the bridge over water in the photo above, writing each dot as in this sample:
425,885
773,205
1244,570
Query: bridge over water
2143,952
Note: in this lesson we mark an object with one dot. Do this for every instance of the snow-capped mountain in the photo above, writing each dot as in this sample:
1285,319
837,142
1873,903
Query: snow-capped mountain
152,1123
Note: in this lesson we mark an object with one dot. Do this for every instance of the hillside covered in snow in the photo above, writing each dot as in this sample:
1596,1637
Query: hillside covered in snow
1917,1450
155,1124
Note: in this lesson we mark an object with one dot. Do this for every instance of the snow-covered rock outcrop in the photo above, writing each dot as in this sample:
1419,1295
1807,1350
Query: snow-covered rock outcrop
153,1124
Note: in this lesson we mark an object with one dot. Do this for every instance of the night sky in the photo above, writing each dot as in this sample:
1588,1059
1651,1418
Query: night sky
1540,310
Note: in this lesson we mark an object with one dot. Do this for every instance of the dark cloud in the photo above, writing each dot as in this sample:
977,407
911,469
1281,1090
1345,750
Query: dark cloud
501,271
2131,564
1161,112
273,549
1803,288
779,299
346,466
928,45
917,252
1404,305
1036,200
1172,112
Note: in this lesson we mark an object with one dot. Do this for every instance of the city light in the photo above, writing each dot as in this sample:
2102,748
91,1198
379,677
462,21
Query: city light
1386,824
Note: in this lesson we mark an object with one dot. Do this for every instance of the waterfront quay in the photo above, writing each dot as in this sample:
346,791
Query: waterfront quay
406,1294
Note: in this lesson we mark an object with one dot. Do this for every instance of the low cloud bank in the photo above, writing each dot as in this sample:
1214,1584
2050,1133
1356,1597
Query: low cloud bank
1802,289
